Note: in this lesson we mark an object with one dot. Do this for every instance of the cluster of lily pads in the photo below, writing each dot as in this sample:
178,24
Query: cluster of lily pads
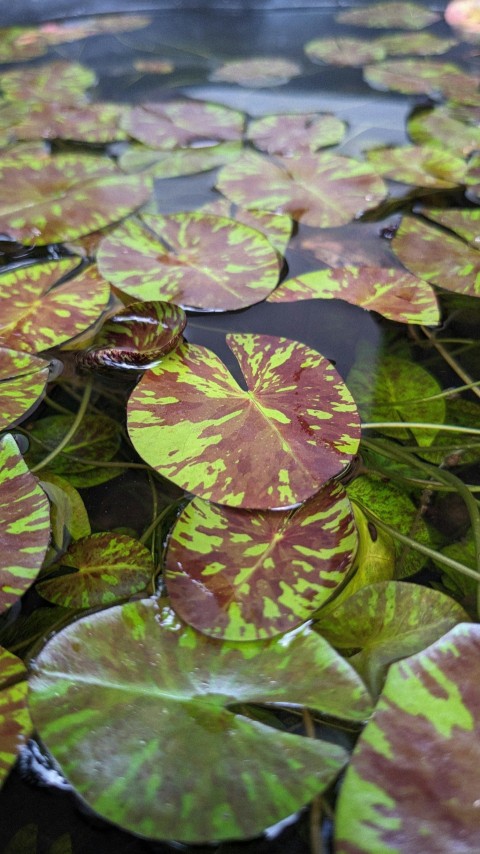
271,571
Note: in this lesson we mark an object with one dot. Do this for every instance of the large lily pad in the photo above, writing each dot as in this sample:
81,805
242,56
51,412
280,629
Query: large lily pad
257,72
91,123
179,161
292,133
36,313
24,524
439,126
391,292
55,82
412,783
182,122
321,190
277,228
193,259
422,77
15,723
23,380
271,446
409,16
242,575
463,221
420,166
344,50
137,675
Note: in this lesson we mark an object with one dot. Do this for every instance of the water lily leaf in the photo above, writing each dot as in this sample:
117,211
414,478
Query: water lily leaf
52,198
36,313
182,122
321,190
68,514
422,77
437,256
96,441
420,166
109,567
181,161
292,133
91,123
194,259
167,687
15,723
257,72
242,575
24,524
386,622
389,291
344,50
415,44
459,585
451,448
20,43
23,380
271,446
440,127
55,82
154,66
463,221
409,16
391,801
137,336
277,228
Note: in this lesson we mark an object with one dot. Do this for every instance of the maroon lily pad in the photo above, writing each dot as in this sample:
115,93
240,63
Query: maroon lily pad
440,126
409,16
344,50
295,132
277,228
55,82
15,723
422,77
97,123
178,161
415,44
257,72
182,122
463,221
23,380
419,165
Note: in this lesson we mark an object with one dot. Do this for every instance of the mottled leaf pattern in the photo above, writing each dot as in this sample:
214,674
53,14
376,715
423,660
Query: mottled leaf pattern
420,76
257,72
409,16
179,161
439,126
91,123
168,687
182,122
344,50
241,575
463,221
271,446
23,379
24,524
415,44
277,228
68,514
59,82
291,133
15,723
421,166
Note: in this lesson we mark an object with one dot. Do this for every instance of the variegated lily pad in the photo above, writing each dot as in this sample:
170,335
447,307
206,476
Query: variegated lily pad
91,123
420,166
241,575
24,524
415,44
277,228
391,292
344,50
179,161
168,687
462,221
15,723
257,72
440,127
193,259
20,43
422,77
321,190
55,82
23,379
271,446
409,16
183,122
292,133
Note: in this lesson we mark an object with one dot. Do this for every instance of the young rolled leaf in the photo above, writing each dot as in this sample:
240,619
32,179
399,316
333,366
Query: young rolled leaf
422,77
409,16
412,782
242,575
193,259
15,722
257,72
183,122
389,291
23,380
59,82
344,50
167,687
24,524
292,133
269,447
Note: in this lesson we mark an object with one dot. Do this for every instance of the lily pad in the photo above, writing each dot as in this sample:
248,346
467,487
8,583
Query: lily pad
415,44
20,43
108,568
37,313
292,133
271,446
15,723
321,190
194,259
257,72
344,50
440,127
168,687
183,122
422,77
136,337
23,380
409,16
154,66
242,575
391,292
55,82
68,515
391,801
465,222
277,228
24,524
91,123
179,161
420,166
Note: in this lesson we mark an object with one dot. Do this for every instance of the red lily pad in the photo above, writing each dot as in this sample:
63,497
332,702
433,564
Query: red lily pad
15,723
23,380
293,133
420,166
440,127
344,50
194,259
241,575
136,337
422,77
55,82
168,687
183,122
391,292
408,16
415,44
37,313
24,524
179,161
97,123
271,446
463,221
321,190
257,72
277,228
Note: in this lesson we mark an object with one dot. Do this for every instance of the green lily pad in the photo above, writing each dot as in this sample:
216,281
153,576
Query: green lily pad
183,122
344,50
23,380
438,257
420,166
91,123
242,575
277,228
292,133
440,127
15,723
257,72
409,16
108,568
194,259
391,292
321,190
24,524
422,77
412,782
271,446
415,44
137,674
179,161
386,622
37,313
68,515
55,82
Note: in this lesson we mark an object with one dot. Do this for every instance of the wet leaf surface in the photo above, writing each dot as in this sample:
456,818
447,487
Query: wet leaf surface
439,126
243,575
293,133
97,123
181,161
271,446
15,723
422,77
182,122
420,166
257,72
277,228
168,687
409,16
23,380
64,83
344,50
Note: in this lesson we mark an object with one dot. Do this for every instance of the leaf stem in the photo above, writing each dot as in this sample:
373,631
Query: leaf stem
71,432
416,425
450,360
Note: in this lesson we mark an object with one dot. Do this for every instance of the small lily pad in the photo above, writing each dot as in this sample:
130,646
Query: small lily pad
257,72
409,16
97,123
420,166
55,82
440,127
183,122
415,44
23,380
422,77
344,50
293,133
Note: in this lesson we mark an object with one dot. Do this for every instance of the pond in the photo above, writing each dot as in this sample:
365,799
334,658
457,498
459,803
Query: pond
239,430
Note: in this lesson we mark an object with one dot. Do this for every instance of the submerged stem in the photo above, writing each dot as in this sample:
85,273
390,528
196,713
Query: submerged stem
71,432
450,360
